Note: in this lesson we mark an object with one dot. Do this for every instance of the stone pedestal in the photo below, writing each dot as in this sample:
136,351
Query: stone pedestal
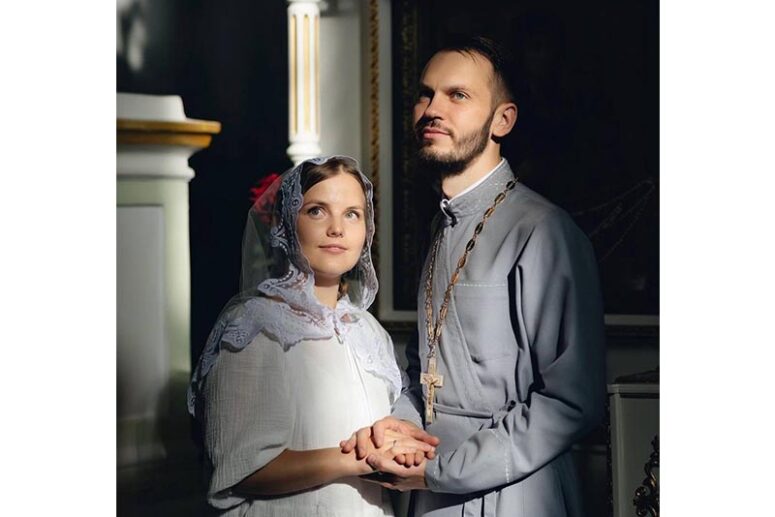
155,140
634,414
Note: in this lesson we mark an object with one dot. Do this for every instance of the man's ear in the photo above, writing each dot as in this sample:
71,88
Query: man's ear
504,119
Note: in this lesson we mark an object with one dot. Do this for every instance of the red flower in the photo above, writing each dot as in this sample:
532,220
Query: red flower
265,207
258,190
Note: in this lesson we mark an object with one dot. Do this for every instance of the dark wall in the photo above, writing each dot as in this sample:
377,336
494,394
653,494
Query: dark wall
587,134
228,61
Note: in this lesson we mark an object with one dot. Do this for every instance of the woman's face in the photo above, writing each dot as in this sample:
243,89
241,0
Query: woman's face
332,227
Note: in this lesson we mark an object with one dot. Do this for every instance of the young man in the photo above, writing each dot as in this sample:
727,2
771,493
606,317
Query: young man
514,373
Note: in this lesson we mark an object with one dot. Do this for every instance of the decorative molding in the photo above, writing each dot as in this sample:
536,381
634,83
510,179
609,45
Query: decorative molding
633,390
646,498
609,459
190,125
305,46
399,327
154,162
645,333
197,141
632,320
155,139
374,127
189,133
408,257
294,128
402,74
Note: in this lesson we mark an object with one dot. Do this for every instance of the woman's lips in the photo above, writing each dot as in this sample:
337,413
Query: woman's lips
333,248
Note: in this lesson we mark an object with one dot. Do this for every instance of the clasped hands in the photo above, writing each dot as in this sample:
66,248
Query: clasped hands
395,450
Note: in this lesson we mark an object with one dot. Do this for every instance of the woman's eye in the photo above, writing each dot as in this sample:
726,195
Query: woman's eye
314,211
353,214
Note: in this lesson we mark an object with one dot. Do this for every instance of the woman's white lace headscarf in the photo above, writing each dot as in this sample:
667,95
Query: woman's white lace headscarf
277,294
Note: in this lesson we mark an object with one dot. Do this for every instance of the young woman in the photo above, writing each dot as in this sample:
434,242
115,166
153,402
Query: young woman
295,363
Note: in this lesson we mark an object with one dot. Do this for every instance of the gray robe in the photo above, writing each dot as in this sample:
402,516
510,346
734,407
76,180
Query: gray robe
522,355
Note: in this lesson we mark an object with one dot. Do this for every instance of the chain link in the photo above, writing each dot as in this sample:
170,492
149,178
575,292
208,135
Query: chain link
434,331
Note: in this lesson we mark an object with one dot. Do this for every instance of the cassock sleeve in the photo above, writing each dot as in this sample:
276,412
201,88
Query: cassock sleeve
248,416
560,310
409,404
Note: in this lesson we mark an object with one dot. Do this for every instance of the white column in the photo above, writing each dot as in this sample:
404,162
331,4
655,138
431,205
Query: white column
155,140
303,79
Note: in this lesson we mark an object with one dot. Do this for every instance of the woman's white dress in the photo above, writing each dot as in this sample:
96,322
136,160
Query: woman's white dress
264,399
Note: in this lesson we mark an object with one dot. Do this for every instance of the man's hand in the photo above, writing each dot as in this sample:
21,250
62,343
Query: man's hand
364,439
397,447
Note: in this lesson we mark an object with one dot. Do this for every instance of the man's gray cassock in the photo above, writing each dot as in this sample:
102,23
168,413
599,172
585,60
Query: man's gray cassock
522,355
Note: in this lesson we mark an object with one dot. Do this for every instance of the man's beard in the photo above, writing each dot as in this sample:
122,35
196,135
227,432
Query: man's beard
457,160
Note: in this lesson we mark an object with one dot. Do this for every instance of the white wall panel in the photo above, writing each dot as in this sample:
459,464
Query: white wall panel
142,348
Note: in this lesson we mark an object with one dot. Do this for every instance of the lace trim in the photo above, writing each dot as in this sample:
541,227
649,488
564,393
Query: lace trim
289,326
375,354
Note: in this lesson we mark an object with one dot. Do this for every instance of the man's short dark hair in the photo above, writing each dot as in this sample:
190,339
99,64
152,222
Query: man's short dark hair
501,60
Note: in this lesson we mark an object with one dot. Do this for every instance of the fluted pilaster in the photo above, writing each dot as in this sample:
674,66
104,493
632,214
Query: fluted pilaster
303,79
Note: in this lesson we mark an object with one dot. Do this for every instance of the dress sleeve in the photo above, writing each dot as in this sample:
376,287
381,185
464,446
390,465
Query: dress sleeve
560,316
248,415
409,404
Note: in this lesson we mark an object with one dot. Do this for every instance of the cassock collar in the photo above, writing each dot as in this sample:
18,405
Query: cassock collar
479,196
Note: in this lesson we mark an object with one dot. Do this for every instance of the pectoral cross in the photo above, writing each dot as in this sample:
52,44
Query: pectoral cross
433,380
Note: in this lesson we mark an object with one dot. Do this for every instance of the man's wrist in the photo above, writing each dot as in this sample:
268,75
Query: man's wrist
408,413
410,422
430,476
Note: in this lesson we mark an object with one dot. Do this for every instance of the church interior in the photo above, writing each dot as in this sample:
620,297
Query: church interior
212,97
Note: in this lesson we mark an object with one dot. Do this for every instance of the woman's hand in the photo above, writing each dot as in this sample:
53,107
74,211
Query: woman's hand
390,475
398,447
363,440
406,450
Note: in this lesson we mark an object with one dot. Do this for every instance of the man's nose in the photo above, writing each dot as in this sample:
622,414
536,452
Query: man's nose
433,109
430,113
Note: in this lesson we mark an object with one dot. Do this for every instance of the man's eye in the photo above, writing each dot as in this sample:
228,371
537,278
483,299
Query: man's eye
459,95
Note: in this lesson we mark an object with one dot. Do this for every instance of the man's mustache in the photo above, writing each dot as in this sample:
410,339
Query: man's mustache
425,123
